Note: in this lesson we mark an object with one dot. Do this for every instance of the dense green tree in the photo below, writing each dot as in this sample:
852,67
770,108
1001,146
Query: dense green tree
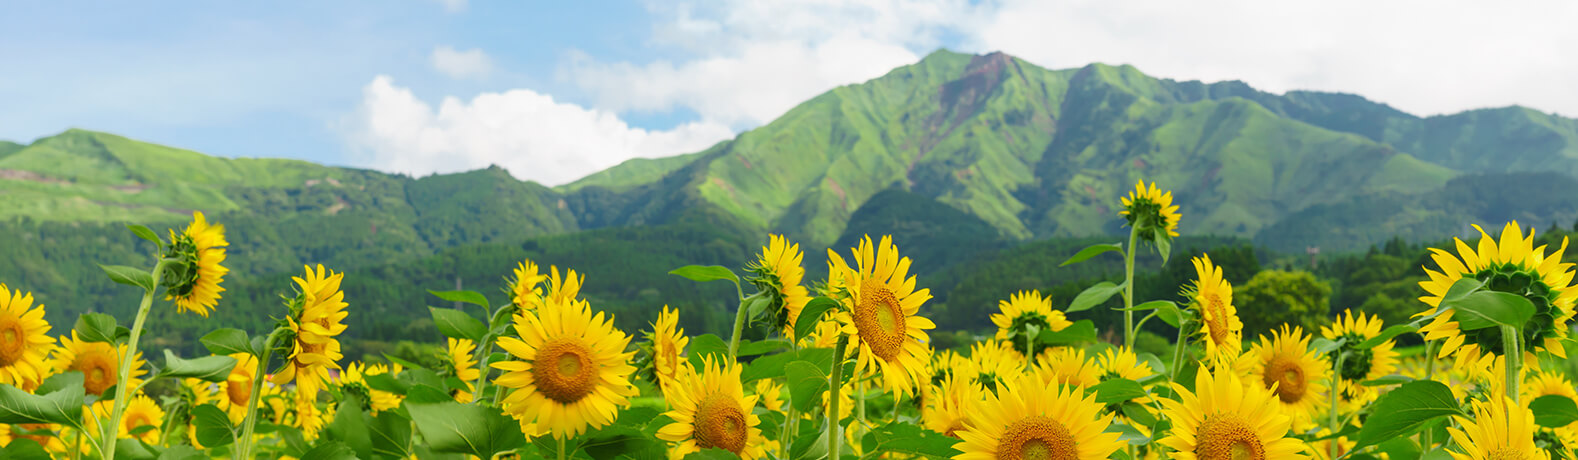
1275,297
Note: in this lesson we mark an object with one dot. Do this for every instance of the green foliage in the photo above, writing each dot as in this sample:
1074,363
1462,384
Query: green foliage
1275,297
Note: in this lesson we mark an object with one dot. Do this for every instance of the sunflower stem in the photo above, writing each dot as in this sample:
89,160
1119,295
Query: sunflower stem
1332,409
834,379
1427,437
244,440
788,430
76,451
1178,351
739,324
1128,289
1509,348
121,393
561,447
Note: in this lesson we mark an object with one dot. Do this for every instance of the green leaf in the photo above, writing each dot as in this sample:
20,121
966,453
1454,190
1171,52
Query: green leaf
712,454
471,297
1387,380
227,341
330,450
350,427
212,427
1081,331
1462,288
133,449
145,233
1405,409
806,383
1400,448
1385,335
1093,296
1114,391
452,427
704,273
708,345
910,441
391,434
772,366
24,449
1484,309
182,452
1325,346
1092,251
1138,413
1554,411
457,324
762,347
1164,244
129,276
619,439
810,315
96,327
386,382
62,406
207,368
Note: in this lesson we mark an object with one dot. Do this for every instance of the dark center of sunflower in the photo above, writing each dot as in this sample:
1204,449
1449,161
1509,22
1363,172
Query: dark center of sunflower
880,319
1037,438
98,369
13,340
1217,319
1225,436
720,424
563,370
1288,376
1505,453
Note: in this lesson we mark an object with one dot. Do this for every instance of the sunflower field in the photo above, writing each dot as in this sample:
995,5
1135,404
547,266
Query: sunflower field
847,370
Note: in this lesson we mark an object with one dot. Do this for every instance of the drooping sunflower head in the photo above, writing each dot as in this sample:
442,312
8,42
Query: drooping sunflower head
1500,429
771,394
992,363
1224,419
193,281
950,403
24,340
316,319
1150,209
710,410
354,381
1031,420
778,272
98,361
1285,364
879,314
237,388
1360,365
1024,315
526,286
668,348
570,370
1512,265
1068,366
1122,363
310,416
1213,297
462,365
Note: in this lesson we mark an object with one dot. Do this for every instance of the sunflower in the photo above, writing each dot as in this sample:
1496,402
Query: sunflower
562,290
950,404
710,410
991,363
771,394
1500,429
1024,311
463,365
1512,265
778,273
1227,419
309,417
141,411
354,379
1361,365
572,371
1285,364
1122,363
99,363
879,315
1149,209
525,287
668,348
24,340
316,318
1036,421
236,390
1069,367
1213,296
193,282
1554,440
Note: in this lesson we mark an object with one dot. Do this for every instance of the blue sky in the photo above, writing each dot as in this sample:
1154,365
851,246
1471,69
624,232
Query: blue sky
556,90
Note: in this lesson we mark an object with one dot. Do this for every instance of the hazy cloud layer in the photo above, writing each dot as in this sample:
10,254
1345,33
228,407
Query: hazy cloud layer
472,63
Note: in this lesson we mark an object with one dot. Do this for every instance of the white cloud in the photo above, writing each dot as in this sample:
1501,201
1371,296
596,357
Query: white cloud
529,134
472,63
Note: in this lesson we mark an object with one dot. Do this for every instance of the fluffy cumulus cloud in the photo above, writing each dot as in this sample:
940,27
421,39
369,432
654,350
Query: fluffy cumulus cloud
530,134
472,63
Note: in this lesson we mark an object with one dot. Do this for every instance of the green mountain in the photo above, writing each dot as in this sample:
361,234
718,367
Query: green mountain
985,167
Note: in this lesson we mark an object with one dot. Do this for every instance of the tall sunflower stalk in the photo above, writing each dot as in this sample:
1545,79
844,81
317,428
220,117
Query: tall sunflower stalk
190,269
1151,216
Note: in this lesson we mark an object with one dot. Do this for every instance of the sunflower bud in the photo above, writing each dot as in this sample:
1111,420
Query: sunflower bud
192,278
